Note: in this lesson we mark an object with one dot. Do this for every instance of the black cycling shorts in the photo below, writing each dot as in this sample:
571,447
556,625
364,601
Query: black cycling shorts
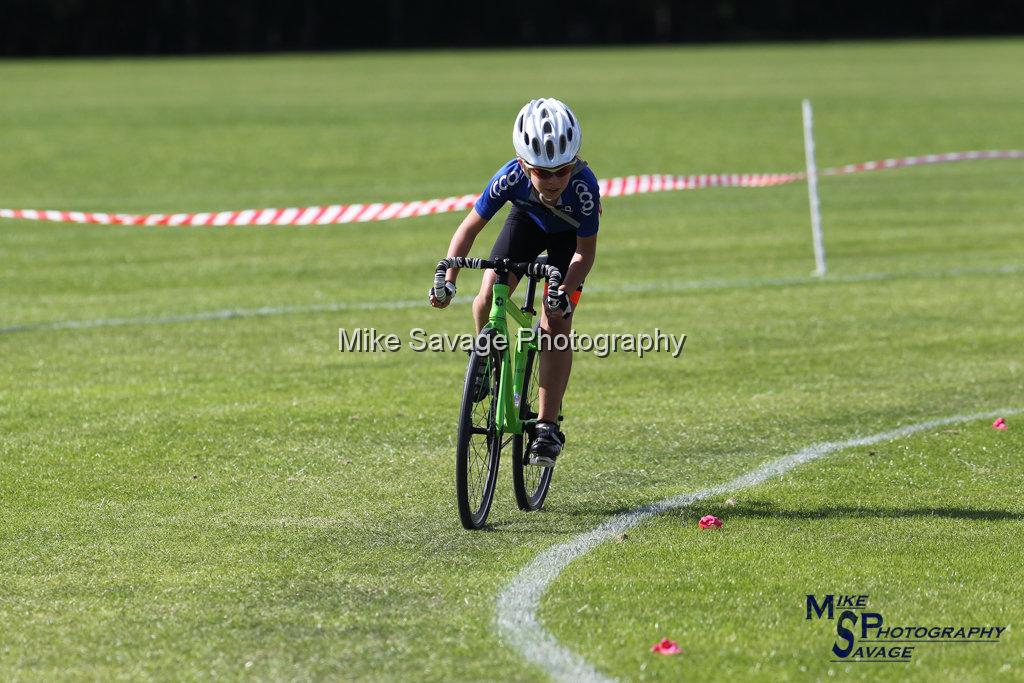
522,240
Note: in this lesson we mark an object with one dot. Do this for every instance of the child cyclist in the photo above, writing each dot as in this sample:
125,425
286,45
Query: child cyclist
555,207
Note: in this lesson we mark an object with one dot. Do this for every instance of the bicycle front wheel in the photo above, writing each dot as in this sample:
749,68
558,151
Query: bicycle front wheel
531,483
479,441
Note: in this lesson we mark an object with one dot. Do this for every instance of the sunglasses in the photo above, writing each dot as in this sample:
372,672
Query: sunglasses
545,174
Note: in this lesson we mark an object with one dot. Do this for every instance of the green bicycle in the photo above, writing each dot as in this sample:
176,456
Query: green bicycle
500,399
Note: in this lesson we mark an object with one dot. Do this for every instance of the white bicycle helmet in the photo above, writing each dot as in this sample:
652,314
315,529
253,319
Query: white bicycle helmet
546,133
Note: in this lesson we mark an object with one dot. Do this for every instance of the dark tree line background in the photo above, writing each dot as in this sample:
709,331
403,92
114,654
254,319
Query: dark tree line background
98,27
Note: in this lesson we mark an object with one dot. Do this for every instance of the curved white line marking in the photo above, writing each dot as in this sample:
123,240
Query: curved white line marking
684,285
518,603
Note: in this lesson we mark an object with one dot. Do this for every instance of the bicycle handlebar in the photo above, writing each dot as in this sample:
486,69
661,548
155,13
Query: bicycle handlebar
534,269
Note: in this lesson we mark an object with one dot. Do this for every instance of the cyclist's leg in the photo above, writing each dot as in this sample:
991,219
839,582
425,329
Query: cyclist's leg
520,240
556,360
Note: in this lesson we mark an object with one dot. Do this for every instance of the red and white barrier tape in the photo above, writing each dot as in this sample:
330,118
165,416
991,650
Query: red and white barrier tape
925,159
361,213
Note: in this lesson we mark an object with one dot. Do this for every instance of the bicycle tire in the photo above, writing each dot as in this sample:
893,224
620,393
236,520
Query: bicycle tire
531,483
478,449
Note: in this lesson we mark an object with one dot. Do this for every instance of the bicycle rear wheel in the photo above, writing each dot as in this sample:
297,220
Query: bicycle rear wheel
479,440
531,483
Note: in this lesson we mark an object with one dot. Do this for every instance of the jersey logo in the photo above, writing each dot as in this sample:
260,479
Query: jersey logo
504,182
586,197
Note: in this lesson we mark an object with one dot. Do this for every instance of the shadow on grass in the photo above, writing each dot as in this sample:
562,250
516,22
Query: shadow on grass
557,519
762,509
576,518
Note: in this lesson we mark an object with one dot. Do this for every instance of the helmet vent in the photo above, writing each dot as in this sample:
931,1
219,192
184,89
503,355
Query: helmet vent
526,139
544,113
536,146
569,114
569,133
561,144
519,123
547,127
549,147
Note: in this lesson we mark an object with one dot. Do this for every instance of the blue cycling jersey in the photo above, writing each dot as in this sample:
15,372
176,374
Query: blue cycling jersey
577,207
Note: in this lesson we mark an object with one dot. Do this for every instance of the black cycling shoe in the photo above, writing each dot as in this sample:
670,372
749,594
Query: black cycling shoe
547,444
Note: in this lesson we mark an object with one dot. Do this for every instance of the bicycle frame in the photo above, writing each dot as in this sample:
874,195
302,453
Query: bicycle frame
508,412
513,366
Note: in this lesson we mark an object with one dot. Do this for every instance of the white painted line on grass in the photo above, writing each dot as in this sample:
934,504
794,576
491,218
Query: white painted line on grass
226,314
740,283
519,602
663,286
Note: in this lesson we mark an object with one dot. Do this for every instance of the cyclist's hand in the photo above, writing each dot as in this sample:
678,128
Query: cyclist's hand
449,294
557,301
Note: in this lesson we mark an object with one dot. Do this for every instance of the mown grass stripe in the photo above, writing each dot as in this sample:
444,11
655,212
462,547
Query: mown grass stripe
685,285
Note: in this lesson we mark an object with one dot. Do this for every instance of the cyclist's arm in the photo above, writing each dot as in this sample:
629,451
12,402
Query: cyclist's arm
462,240
582,262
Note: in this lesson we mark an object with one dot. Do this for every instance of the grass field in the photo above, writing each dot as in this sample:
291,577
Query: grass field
231,497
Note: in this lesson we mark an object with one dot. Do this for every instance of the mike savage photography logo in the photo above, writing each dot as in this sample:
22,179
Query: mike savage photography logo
371,340
867,637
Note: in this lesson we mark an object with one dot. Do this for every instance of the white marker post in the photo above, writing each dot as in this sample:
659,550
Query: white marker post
812,190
